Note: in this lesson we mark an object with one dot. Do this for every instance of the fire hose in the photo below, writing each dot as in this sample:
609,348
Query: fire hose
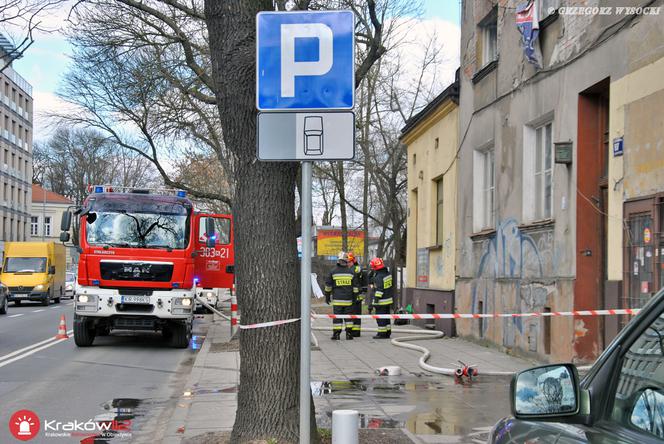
211,308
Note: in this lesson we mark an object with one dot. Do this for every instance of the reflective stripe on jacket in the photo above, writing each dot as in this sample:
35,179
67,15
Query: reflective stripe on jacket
382,281
341,283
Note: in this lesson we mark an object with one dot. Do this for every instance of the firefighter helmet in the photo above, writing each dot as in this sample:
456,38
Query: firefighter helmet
377,263
342,258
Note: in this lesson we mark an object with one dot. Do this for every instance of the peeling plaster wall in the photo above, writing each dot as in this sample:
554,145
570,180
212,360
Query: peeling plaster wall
522,266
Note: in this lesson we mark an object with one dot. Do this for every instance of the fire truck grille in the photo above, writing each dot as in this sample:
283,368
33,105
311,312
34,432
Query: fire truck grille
134,323
136,271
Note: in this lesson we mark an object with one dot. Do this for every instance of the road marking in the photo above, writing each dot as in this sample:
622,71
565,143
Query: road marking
16,315
31,352
37,311
18,352
54,308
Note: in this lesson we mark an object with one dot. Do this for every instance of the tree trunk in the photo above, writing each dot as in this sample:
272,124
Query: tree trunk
341,183
265,235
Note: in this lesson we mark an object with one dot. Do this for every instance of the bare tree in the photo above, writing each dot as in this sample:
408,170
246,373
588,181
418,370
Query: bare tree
141,76
149,74
20,21
73,159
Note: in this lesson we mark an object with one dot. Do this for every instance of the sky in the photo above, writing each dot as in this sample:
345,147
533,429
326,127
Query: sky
45,62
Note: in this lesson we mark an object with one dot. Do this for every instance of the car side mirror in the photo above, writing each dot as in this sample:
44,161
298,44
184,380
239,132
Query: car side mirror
51,269
545,392
65,236
644,404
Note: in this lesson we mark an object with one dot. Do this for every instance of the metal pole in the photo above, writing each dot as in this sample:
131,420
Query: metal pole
305,298
44,215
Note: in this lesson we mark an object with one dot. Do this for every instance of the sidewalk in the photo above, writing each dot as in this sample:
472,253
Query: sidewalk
343,375
210,398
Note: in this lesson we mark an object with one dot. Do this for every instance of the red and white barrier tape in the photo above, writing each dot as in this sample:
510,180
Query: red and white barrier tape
268,324
620,311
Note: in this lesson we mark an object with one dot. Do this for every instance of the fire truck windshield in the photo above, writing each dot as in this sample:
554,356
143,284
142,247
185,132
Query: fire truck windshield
121,228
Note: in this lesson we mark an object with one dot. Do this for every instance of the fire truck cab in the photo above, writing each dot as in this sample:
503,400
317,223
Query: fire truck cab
140,252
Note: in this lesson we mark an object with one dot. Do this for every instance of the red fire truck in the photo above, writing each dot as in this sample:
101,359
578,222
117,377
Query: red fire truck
143,254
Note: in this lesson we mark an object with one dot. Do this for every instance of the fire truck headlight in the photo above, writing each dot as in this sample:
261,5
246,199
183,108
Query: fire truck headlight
86,302
182,302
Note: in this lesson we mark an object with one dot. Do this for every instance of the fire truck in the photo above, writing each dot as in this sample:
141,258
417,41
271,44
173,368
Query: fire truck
142,256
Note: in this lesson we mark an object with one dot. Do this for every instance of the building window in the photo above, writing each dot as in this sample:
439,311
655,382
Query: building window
538,168
414,159
543,172
47,225
435,145
439,212
34,226
484,186
489,35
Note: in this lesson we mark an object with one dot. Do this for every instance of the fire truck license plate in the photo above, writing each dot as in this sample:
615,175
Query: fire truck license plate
135,299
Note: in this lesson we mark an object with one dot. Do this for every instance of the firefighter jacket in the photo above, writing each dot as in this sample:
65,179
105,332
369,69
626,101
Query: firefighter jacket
382,281
361,280
341,283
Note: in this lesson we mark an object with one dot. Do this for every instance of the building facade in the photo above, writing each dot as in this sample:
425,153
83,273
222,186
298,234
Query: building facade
539,219
636,179
45,216
431,138
16,112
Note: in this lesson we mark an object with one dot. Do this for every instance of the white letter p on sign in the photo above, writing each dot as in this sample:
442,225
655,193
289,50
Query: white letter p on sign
290,68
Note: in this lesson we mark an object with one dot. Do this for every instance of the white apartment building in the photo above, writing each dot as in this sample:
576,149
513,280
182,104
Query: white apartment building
16,113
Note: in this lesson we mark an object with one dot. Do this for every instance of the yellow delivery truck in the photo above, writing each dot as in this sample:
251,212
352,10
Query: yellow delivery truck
34,271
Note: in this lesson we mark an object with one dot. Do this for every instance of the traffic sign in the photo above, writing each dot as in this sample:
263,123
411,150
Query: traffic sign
305,60
289,136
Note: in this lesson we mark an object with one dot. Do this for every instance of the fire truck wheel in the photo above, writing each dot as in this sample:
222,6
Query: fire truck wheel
83,334
181,334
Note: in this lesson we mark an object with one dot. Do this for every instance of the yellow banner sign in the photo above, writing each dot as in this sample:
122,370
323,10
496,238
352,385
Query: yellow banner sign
329,242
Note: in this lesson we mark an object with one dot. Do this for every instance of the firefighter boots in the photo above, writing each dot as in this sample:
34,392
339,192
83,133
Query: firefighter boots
349,334
336,335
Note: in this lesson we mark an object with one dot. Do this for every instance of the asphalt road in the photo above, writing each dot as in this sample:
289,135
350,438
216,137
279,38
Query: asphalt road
119,377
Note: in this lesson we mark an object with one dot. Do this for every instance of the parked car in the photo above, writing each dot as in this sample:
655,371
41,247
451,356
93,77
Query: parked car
70,285
620,400
4,301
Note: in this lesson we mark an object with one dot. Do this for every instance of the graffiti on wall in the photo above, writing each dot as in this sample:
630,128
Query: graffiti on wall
512,254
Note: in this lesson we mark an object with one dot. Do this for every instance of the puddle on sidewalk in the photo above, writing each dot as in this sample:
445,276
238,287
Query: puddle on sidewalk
426,405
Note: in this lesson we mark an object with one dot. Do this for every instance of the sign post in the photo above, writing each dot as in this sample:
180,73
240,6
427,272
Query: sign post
305,90
305,309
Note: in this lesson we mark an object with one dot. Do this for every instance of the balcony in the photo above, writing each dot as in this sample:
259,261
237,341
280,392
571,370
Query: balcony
18,80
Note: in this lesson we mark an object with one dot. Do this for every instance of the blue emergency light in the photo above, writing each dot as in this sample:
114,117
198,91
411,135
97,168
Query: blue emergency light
182,193
99,189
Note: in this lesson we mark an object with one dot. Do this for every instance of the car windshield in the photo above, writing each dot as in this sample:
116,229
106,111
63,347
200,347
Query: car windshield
25,265
138,230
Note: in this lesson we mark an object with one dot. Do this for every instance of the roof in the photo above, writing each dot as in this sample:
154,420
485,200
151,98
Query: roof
40,195
451,92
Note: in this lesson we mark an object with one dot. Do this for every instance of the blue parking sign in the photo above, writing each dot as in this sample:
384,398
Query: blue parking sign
305,60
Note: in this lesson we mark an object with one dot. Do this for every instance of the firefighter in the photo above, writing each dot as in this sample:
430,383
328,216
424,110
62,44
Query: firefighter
382,296
341,290
361,282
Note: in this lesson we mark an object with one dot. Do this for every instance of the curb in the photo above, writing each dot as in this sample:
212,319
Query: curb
174,433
